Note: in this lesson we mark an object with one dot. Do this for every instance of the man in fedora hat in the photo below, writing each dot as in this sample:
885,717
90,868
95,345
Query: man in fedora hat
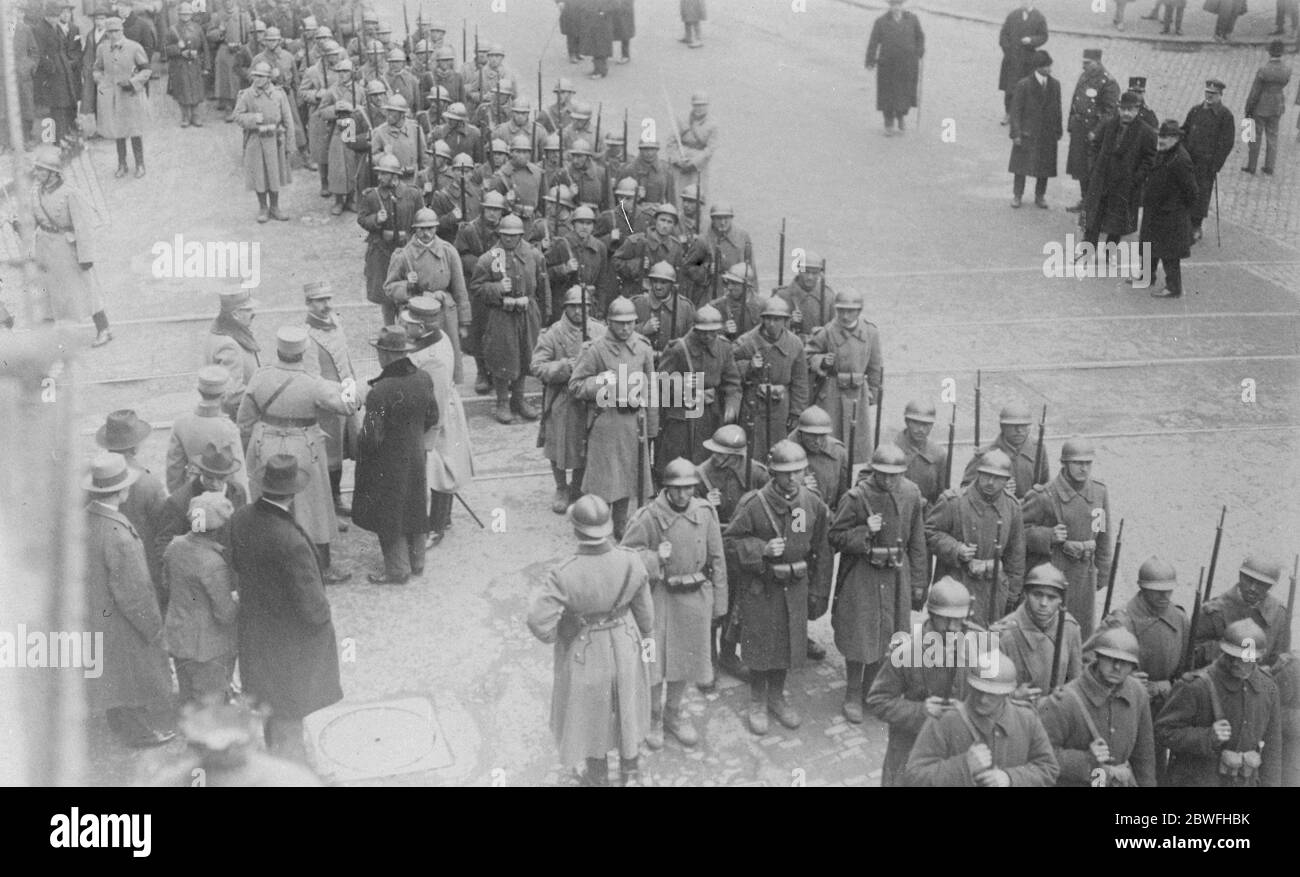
279,414
1034,114
56,81
390,495
122,606
188,60
333,362
120,72
122,433
216,467
231,345
288,653
1169,200
265,113
449,458
206,424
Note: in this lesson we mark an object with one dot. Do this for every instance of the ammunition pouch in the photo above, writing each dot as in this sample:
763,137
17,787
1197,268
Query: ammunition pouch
849,380
774,392
1250,763
686,584
885,558
786,573
1231,764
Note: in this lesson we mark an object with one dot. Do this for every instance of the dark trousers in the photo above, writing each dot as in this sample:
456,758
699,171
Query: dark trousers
1266,130
600,65
1204,190
403,553
1173,273
137,149
1287,9
1226,21
890,118
389,311
1174,15
1018,186
572,40
284,738
440,510
203,680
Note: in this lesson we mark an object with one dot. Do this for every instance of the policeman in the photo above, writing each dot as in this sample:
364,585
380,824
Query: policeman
1067,523
846,369
638,252
1138,85
774,375
880,534
810,298
662,315
1224,726
1209,133
828,457
728,474
987,740
388,214
966,532
927,462
563,428
1100,723
680,543
596,608
1028,636
905,692
1250,598
784,576
620,423
1013,421
1096,99
707,366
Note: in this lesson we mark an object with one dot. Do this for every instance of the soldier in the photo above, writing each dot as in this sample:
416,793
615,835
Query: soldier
266,115
580,128
494,108
1209,133
388,214
1170,197
188,62
880,532
461,137
811,299
740,306
614,158
903,695
349,127
1224,726
1265,105
1067,523
1013,422
986,740
493,72
65,246
496,156
510,281
318,81
231,345
691,221
594,269
1249,599
774,376
962,531
926,461
1100,722
554,173
1028,635
692,12
435,105
1125,152
518,123
401,81
897,45
333,362
663,315
620,424
692,149
828,467
654,179
1286,675
215,468
122,433
206,424
728,474
784,577
400,137
625,218
430,265
522,179
705,362
1035,119
680,543
552,233
227,30
433,183
563,428
284,72
601,696
558,115
846,369
475,238
587,178
637,253
1095,99
464,189
120,72
444,75
279,414
1023,32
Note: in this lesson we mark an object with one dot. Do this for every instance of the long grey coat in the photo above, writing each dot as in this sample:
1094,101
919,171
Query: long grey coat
266,156
66,237
562,431
120,112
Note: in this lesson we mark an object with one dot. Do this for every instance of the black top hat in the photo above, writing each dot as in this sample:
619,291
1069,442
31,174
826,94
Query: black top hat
122,431
216,461
1092,54
282,475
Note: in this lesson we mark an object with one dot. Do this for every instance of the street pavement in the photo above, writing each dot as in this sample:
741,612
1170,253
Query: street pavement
953,277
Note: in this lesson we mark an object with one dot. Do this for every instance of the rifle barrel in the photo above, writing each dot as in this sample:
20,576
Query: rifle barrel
952,435
880,408
1114,568
978,381
1189,651
1214,555
1056,653
1038,454
780,261
853,441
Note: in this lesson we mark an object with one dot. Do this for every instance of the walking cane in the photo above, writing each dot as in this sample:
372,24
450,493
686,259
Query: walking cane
1218,239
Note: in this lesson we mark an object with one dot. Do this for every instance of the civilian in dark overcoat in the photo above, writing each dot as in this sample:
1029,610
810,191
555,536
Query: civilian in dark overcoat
1168,203
894,51
56,82
1036,129
1126,149
1024,32
596,34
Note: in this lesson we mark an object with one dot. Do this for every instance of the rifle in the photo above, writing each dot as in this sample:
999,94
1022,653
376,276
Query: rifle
1038,453
1189,651
880,407
749,450
993,586
672,326
406,20
1114,568
744,288
853,440
625,143
584,314
600,105
947,464
464,217
1214,555
780,257
978,378
464,43
1290,604
1056,648
767,404
537,155
640,455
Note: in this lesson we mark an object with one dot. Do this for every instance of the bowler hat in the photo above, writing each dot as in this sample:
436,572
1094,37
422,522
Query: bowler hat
1170,128
282,475
217,461
122,431
1042,59
109,474
393,339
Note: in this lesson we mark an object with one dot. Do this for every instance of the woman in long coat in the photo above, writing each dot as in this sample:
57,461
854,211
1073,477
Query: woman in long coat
186,47
895,50
1168,200
121,71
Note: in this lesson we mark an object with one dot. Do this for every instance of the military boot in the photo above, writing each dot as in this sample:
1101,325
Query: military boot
680,727
629,772
503,414
757,718
853,705
781,709
520,405
730,662
654,738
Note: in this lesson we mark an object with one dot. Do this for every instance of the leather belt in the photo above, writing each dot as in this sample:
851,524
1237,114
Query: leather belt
288,422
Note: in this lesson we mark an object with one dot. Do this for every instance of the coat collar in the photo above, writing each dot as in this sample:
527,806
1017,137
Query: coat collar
397,369
1140,611
1232,684
927,451
267,506
112,514
1097,694
665,514
604,547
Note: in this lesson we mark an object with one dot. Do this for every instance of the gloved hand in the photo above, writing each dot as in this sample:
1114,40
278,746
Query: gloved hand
1222,731
1099,750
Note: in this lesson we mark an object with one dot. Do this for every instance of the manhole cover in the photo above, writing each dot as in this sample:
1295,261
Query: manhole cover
378,740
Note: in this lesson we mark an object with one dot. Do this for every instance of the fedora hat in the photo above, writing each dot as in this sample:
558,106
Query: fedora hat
282,475
108,474
217,461
122,431
393,340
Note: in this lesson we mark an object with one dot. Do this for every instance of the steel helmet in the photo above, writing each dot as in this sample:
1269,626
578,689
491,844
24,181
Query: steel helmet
708,319
1241,635
666,209
889,459
721,210
613,138
691,193
49,158
590,517
565,84
1262,570
811,262
1077,450
1117,643
440,94
815,421
344,66
1047,576
920,410
786,456
1156,575
261,68
775,306
397,102
511,224
626,186
462,160
374,87
387,163
330,47
729,439
848,300
995,462
520,141
948,598
422,48
584,214
581,146
580,110
1003,680
648,143
551,143
396,55
738,273
446,53
663,271
424,217
621,310
441,149
1016,414
680,473
575,295
494,200
499,145
455,111
522,105
495,49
